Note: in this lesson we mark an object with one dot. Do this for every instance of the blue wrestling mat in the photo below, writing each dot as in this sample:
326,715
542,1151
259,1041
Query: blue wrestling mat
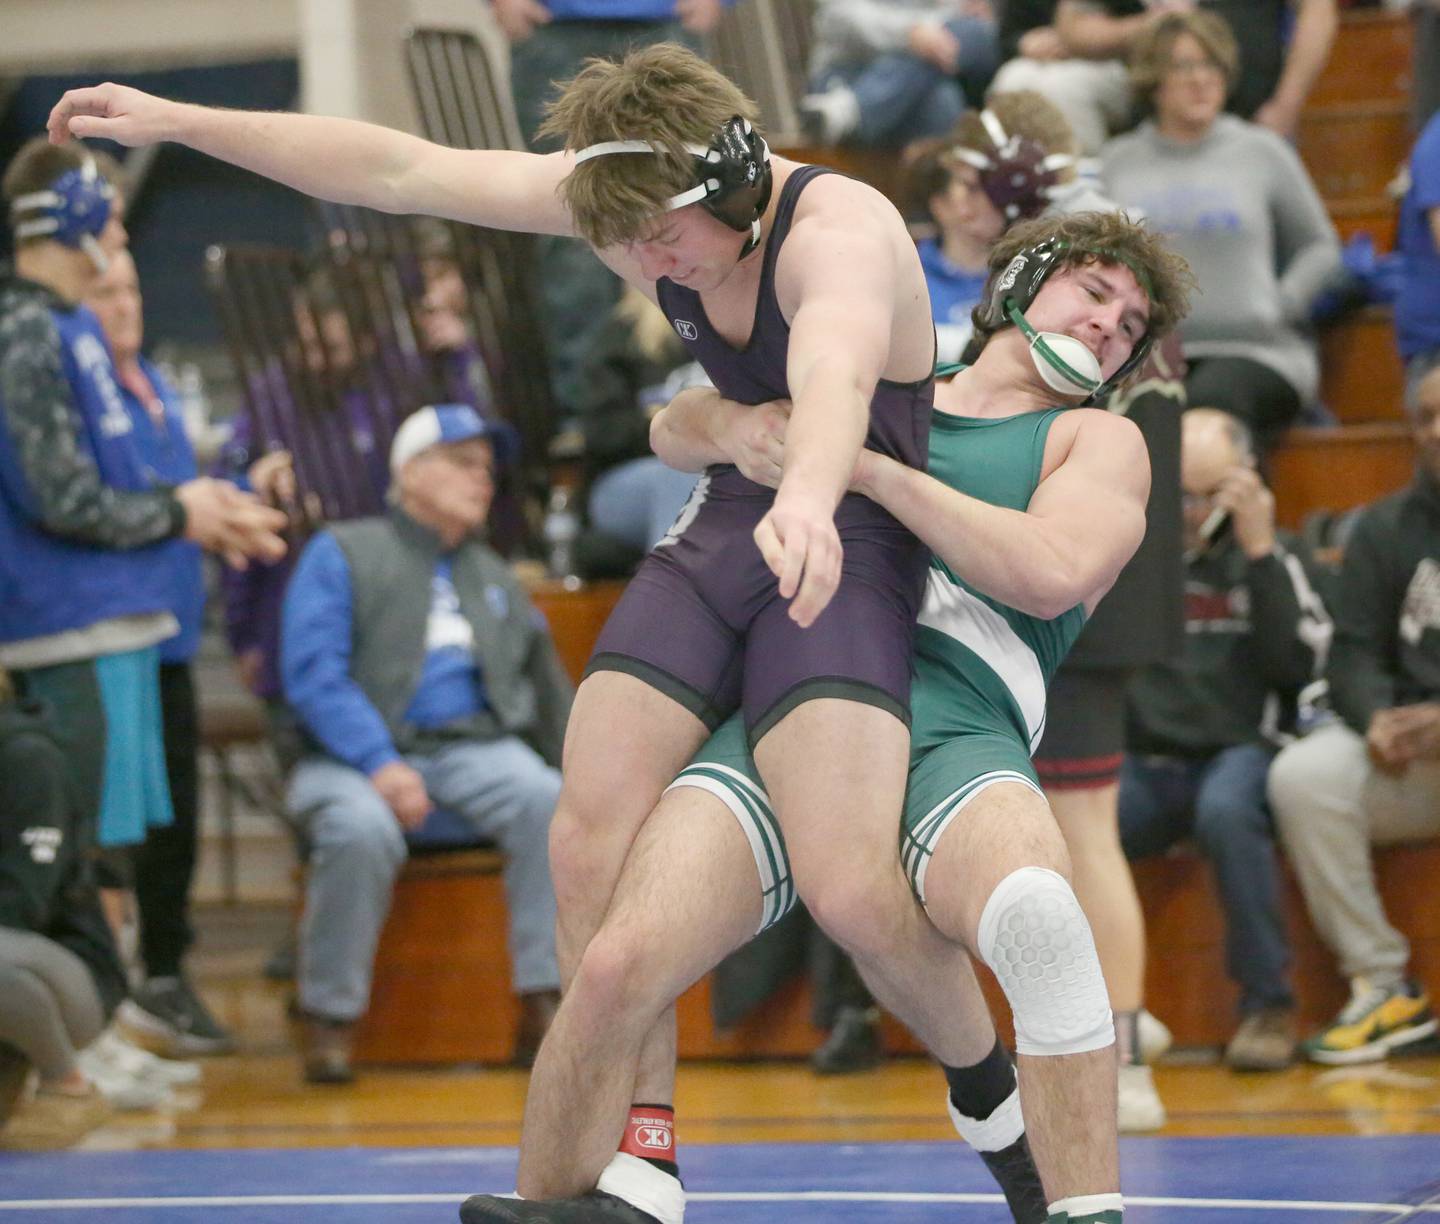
1188,1181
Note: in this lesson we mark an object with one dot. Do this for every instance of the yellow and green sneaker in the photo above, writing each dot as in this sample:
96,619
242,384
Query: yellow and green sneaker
1377,1019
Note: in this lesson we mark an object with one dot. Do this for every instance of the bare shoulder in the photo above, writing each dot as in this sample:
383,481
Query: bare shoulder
845,228
1094,437
838,201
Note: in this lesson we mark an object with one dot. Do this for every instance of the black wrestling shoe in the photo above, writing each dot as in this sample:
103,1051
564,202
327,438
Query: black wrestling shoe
596,1207
1014,1169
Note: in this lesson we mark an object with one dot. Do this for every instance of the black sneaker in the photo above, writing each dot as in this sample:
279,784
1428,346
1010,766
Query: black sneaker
168,1010
853,1043
1014,1169
596,1207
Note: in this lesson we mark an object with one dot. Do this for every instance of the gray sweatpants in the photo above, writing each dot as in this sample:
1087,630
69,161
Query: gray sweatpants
1330,806
502,788
51,1007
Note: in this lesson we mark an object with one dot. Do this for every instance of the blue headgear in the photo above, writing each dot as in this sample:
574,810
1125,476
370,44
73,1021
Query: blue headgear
73,210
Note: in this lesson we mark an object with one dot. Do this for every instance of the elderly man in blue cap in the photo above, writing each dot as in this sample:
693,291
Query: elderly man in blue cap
425,682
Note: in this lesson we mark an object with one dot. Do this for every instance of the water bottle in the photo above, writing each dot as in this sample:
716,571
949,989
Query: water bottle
561,527
194,403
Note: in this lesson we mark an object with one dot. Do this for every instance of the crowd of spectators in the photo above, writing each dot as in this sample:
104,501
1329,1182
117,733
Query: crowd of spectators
413,688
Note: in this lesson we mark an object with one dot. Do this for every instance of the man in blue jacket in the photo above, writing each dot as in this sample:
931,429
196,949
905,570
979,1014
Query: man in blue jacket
424,678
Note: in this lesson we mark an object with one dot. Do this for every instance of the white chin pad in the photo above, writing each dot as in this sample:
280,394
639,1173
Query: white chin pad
1035,937
1045,345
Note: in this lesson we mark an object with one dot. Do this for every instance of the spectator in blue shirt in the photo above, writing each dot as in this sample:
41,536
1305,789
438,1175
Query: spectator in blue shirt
1417,309
423,677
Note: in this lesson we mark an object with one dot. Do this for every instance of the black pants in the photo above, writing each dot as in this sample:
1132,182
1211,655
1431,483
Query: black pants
165,862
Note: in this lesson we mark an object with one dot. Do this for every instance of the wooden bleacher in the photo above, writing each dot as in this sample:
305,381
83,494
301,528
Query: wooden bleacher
442,991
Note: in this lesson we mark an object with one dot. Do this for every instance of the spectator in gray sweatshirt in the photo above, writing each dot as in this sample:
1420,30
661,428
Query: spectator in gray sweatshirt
1234,199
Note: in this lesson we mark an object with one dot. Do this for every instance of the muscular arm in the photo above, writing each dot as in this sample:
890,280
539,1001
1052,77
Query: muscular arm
335,159
1084,521
844,285
689,433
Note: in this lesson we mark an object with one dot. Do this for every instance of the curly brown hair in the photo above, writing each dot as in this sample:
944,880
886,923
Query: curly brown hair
1100,237
664,94
1150,56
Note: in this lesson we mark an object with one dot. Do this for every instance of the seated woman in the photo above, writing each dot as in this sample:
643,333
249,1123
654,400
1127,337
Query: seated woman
1235,200
56,951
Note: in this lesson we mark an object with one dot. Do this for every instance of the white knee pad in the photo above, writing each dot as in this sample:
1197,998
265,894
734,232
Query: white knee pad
1035,937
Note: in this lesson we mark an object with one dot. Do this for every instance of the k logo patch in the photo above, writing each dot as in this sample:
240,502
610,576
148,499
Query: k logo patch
686,329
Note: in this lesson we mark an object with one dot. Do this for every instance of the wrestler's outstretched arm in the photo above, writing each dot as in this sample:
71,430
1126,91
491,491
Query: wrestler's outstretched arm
342,160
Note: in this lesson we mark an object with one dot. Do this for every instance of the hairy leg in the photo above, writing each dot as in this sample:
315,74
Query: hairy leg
1068,1099
687,896
835,771
625,743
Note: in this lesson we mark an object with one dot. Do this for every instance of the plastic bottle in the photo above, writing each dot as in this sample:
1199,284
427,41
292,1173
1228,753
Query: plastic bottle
561,527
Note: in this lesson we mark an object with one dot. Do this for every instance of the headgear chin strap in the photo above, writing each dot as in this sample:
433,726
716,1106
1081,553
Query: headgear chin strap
1018,177
1065,364
733,172
73,211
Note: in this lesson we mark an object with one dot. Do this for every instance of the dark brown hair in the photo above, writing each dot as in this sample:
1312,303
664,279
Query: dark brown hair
1101,237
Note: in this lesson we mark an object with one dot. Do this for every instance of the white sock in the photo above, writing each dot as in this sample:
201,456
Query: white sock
645,1187
1088,1204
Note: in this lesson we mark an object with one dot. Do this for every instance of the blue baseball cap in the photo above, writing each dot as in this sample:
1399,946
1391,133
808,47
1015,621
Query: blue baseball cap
442,423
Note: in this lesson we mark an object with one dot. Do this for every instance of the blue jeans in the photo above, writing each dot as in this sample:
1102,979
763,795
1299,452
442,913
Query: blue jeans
1220,802
903,98
637,501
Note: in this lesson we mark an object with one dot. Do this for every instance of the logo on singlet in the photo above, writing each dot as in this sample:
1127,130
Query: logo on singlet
686,329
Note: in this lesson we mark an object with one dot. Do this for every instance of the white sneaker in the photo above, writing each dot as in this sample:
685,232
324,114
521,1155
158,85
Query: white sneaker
829,117
1140,1107
1152,1036
142,1064
121,1088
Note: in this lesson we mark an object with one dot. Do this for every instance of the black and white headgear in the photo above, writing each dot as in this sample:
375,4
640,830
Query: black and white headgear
733,175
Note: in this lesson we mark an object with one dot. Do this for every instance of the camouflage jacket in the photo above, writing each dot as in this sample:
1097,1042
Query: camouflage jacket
56,481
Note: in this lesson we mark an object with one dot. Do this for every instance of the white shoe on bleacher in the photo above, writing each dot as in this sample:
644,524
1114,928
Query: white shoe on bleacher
1152,1036
1140,1107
